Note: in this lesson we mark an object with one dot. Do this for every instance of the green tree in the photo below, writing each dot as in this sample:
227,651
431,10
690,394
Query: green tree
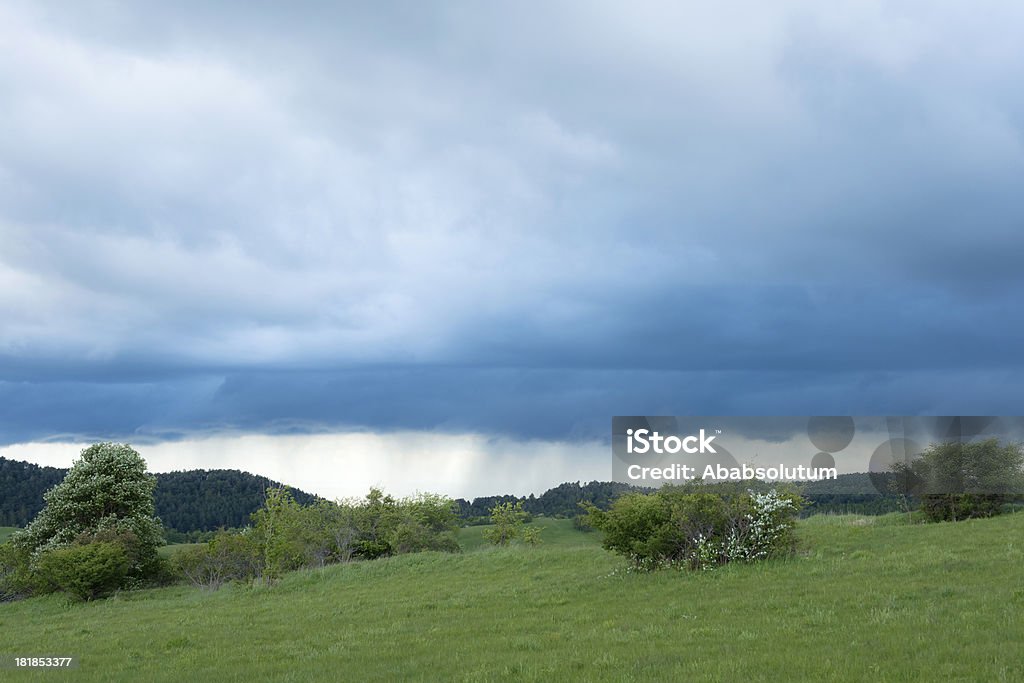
281,532
698,526
506,523
227,557
531,535
106,496
956,480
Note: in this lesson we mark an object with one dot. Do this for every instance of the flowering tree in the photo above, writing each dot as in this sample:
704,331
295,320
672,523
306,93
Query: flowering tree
693,528
106,496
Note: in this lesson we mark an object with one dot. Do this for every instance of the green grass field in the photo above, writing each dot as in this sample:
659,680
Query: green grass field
867,599
557,532
6,531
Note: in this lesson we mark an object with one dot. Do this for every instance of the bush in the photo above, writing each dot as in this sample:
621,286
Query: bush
89,571
531,535
507,521
371,550
687,527
424,522
145,568
956,480
950,507
16,579
228,557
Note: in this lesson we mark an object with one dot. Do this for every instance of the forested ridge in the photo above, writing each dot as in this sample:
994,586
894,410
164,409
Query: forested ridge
561,501
193,500
206,500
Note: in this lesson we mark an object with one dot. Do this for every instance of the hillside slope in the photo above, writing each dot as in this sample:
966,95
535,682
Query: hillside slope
867,599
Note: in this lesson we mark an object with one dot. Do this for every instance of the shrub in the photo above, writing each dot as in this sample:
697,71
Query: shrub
507,523
950,507
688,527
371,550
956,480
145,568
88,571
228,557
531,535
423,522
16,579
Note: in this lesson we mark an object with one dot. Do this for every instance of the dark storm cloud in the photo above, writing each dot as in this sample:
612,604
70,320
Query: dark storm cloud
496,220
560,404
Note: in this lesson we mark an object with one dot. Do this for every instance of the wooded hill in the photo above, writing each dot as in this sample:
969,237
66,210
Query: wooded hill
206,500
195,500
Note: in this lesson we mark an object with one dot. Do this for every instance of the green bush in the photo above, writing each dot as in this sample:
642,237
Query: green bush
531,535
950,507
16,579
688,527
228,557
507,520
371,550
89,571
955,480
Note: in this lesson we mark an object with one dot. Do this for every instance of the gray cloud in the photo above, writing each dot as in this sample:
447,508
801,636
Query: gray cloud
496,218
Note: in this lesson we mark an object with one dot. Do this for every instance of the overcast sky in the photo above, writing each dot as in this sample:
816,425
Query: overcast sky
502,222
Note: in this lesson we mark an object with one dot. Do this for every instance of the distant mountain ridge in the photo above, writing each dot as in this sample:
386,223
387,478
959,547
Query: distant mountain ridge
206,500
193,500
848,493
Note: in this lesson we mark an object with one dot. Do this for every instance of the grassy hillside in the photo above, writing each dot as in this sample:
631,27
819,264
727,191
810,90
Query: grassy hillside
6,531
558,532
868,599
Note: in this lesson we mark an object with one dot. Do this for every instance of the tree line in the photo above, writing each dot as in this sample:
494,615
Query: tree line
194,504
98,533
189,501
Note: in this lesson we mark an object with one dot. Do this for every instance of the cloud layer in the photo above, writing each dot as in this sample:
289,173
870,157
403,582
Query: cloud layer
514,221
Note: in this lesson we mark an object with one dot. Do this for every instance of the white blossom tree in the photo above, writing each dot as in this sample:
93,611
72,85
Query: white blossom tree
106,495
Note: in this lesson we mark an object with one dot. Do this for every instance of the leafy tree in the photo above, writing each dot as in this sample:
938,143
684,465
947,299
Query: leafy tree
956,480
531,535
89,571
698,526
228,557
291,536
426,521
105,496
506,523
281,533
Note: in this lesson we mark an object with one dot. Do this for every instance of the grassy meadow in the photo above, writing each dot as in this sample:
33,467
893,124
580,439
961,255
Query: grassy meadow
6,531
865,599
